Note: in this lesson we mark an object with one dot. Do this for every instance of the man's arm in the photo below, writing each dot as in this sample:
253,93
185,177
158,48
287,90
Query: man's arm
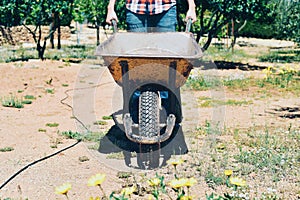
111,14
191,13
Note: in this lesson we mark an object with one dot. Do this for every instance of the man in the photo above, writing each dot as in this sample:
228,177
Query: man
151,15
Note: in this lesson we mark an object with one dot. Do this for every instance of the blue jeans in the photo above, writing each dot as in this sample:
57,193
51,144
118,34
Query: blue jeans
163,22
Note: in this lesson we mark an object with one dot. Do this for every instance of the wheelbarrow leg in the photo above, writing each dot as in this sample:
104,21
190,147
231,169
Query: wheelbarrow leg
172,85
125,86
174,93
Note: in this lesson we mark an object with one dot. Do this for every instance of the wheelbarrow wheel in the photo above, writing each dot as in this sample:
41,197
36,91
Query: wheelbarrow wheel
149,114
148,157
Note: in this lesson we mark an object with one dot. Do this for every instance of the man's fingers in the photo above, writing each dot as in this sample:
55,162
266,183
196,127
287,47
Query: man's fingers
109,20
194,19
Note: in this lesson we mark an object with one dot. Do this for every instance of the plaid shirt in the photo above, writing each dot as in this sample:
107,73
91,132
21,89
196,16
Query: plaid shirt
150,7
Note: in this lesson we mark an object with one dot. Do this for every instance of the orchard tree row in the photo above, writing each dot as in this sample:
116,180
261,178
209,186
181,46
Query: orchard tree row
279,18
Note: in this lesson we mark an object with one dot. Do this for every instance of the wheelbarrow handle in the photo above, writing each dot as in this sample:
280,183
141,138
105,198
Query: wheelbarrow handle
187,28
114,23
188,25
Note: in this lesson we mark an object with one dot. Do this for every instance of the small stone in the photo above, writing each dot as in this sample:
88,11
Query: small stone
83,158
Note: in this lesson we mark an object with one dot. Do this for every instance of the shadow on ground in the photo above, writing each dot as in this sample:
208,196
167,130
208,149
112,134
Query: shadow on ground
206,65
115,141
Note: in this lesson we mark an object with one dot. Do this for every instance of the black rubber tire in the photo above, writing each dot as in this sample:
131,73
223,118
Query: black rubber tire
148,157
149,114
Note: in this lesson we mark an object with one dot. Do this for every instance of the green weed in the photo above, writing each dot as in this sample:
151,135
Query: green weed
72,135
218,54
284,77
107,117
29,97
207,129
213,180
117,156
102,123
12,101
26,102
202,82
282,56
210,102
94,146
52,124
268,153
72,51
6,149
94,136
240,84
124,175
90,136
50,91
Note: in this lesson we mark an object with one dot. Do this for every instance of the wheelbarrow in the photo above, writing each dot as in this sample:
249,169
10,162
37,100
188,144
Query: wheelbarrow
150,68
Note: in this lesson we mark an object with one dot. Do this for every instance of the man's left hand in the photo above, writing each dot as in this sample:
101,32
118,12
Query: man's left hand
191,14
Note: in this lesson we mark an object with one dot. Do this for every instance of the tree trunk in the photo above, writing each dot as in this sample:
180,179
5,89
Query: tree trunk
200,32
41,49
233,33
40,52
208,42
58,31
38,38
212,31
38,44
51,30
98,35
236,34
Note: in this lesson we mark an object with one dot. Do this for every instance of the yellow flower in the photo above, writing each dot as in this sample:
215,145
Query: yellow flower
63,189
281,71
237,181
178,183
228,172
128,190
290,70
190,182
154,182
175,162
186,198
96,198
96,180
268,71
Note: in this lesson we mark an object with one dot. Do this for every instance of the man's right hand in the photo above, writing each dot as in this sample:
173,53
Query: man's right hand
111,14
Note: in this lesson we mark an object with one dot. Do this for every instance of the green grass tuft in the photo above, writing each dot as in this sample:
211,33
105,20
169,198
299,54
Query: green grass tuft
6,149
52,124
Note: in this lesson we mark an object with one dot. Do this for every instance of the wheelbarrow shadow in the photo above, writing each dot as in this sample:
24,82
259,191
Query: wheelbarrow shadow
115,141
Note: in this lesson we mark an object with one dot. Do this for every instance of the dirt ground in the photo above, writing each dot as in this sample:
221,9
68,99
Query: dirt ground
92,93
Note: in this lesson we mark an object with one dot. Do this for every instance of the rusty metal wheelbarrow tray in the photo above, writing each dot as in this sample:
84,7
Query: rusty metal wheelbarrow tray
149,55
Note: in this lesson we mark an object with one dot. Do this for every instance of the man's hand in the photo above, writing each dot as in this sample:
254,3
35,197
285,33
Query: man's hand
111,14
191,14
